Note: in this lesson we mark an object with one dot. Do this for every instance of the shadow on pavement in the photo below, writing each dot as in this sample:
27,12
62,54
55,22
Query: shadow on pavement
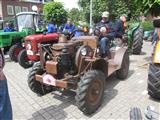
55,112
148,59
67,99
153,99
143,53
133,61
131,72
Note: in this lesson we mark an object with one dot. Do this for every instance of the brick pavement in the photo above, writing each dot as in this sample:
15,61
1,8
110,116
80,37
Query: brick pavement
119,96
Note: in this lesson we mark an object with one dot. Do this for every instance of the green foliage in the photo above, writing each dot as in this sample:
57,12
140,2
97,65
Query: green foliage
54,11
75,14
152,6
118,7
115,7
147,25
99,6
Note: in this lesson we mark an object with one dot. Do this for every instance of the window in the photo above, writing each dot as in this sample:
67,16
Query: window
17,9
24,9
10,10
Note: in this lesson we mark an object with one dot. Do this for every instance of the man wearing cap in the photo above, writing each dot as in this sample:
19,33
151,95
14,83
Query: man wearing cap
107,32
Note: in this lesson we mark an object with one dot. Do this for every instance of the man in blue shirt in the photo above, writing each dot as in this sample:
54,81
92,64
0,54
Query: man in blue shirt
8,28
51,27
107,32
69,27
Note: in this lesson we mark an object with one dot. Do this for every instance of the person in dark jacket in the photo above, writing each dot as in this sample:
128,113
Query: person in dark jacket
120,26
107,32
5,104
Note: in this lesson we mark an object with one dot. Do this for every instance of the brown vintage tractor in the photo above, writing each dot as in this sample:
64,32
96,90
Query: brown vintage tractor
77,65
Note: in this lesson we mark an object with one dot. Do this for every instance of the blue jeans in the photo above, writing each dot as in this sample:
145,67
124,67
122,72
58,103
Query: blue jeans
104,43
5,104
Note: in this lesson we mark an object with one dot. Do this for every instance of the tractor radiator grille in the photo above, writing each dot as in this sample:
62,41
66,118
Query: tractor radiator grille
5,36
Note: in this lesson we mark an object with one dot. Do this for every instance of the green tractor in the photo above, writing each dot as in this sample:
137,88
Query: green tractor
135,38
26,24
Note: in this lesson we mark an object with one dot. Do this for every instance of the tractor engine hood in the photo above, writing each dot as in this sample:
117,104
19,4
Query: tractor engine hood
42,37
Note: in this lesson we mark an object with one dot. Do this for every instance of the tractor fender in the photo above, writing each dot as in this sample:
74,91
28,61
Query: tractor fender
156,56
17,40
100,64
119,54
132,29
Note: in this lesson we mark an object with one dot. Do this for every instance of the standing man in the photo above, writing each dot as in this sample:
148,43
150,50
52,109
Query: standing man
5,104
106,33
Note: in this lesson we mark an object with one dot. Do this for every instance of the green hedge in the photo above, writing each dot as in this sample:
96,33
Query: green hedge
147,25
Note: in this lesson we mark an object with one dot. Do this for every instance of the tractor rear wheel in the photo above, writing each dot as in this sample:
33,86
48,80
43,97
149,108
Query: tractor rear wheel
122,73
154,81
90,91
23,59
137,41
34,85
14,52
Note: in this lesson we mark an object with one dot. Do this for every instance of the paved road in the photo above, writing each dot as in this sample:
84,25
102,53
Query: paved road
119,96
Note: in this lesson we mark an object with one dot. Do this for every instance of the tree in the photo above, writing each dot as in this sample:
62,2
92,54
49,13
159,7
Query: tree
55,11
75,14
151,6
98,7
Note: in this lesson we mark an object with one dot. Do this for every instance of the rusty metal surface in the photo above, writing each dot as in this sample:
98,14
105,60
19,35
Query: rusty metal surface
51,67
91,41
118,58
59,83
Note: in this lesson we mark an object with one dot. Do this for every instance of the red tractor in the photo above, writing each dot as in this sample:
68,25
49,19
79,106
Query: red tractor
30,54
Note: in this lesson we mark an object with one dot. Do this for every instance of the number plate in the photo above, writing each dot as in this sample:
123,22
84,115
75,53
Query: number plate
49,80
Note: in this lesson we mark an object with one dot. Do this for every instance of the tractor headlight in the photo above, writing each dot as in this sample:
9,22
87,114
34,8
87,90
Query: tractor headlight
84,51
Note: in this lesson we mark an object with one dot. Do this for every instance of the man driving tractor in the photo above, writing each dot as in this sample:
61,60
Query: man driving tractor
107,32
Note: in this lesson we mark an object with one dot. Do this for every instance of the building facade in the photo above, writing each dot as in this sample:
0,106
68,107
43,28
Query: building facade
9,8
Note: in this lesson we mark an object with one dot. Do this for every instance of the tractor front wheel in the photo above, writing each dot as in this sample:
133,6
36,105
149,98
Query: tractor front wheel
137,41
90,91
23,59
35,86
14,52
154,81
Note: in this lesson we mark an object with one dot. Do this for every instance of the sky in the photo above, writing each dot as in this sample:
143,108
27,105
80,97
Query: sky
69,4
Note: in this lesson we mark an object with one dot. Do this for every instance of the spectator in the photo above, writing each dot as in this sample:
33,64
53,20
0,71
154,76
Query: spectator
120,26
5,104
51,27
8,28
69,27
